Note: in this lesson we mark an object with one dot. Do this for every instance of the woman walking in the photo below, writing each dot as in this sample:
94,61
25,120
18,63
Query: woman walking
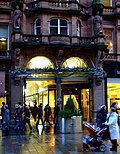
112,122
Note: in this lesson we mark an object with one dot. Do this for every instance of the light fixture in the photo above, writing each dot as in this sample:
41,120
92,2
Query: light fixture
2,39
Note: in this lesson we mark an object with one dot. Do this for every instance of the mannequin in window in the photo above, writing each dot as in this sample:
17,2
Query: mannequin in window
17,17
98,27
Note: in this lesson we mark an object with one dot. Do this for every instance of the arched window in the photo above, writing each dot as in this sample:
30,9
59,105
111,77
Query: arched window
40,62
73,62
58,26
37,27
78,28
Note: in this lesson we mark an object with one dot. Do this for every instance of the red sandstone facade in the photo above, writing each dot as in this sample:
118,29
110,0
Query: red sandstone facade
48,27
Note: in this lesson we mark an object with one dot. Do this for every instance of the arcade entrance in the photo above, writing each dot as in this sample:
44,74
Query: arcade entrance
45,92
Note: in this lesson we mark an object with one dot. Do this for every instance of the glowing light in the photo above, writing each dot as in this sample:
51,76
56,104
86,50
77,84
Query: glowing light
74,62
2,39
39,62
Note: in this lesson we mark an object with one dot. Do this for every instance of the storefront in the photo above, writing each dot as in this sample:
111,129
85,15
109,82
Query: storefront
112,82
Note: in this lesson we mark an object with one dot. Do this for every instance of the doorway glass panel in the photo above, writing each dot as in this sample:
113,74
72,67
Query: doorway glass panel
85,104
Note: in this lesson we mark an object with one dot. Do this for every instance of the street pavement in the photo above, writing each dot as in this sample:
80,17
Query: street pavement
47,142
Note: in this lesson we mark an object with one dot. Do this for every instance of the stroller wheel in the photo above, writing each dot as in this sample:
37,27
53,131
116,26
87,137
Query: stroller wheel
102,147
85,147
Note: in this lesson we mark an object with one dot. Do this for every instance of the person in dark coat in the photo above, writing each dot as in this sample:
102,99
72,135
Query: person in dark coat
34,112
3,111
27,118
101,116
47,110
56,111
40,114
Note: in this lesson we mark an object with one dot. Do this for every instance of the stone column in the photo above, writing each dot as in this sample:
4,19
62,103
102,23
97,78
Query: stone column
58,89
98,94
16,92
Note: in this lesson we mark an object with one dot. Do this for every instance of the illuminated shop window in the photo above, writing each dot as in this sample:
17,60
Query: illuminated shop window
109,39
113,91
3,44
3,38
74,62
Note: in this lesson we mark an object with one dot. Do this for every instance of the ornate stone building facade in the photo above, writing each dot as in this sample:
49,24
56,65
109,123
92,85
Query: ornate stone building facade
56,49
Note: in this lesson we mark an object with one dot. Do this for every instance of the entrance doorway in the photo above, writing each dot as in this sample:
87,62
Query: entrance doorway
45,92
81,101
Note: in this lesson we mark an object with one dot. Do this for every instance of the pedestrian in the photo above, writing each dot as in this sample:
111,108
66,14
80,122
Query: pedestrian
34,111
27,118
47,110
101,116
115,105
56,111
18,117
2,111
40,114
6,117
112,122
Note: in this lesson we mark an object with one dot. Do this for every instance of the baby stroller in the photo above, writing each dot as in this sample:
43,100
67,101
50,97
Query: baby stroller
94,139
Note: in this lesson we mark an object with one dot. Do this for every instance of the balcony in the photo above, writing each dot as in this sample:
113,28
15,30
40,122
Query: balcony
26,39
5,55
5,6
110,11
55,40
111,57
53,5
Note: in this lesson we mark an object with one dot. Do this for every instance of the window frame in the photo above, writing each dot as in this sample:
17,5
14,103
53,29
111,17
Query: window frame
5,35
37,27
78,28
112,39
59,26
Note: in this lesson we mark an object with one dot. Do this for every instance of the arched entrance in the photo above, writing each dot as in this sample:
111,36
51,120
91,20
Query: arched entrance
78,88
42,87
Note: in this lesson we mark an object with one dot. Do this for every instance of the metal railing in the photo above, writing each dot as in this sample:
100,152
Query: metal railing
4,4
108,10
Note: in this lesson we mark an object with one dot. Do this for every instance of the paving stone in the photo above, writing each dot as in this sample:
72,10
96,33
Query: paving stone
46,143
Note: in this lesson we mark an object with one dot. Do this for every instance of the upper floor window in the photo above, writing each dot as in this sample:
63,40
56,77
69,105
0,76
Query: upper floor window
3,38
107,2
37,27
78,28
58,26
109,39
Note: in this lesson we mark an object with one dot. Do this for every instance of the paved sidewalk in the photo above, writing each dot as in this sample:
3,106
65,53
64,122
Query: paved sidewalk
45,143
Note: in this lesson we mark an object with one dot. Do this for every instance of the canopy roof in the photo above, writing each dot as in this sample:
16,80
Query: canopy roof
58,71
